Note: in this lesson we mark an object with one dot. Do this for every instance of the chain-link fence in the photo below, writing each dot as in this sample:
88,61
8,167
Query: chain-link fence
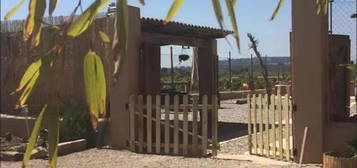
343,21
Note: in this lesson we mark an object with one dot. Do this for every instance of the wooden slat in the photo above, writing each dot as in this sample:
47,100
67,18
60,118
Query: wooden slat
204,124
158,124
255,124
215,125
132,122
260,106
140,122
176,125
267,130
194,124
149,123
272,98
280,129
185,125
287,131
167,123
249,124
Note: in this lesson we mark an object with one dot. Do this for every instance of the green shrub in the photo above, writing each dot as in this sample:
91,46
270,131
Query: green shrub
76,125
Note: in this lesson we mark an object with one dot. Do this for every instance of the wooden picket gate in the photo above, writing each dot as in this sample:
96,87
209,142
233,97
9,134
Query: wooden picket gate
175,126
270,126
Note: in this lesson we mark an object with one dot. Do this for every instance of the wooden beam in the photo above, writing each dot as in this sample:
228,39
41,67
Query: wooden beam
163,39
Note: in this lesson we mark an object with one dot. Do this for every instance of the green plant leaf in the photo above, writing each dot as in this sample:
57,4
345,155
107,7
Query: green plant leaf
85,19
234,2
53,134
33,23
52,7
13,10
175,7
218,12
277,8
233,20
120,41
104,37
95,86
34,135
32,75
29,74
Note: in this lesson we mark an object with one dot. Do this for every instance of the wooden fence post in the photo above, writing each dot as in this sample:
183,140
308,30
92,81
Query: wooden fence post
158,124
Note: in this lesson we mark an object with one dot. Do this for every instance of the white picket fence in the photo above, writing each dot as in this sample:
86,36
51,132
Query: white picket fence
270,126
173,128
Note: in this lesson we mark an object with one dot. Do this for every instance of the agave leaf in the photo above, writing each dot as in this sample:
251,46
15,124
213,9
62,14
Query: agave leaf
34,135
277,8
52,7
13,10
33,23
233,20
175,7
53,135
120,41
218,12
85,19
142,2
104,37
95,86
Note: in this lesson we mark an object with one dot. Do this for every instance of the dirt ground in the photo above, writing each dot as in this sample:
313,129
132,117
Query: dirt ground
233,143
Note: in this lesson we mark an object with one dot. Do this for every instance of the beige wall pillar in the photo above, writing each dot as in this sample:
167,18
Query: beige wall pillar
309,74
126,85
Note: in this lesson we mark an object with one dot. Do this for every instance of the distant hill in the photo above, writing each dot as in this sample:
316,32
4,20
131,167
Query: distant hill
273,64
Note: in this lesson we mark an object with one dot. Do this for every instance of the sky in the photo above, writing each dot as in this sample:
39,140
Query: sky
252,16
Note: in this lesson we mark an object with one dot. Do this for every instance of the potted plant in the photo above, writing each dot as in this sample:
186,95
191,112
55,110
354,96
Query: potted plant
347,159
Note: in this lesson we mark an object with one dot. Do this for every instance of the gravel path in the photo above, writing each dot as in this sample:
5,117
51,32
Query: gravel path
107,158
231,117
235,140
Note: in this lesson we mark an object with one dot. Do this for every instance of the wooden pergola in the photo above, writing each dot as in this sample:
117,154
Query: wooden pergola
155,33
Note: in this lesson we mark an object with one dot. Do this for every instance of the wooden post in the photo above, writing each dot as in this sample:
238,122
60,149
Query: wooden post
176,125
185,125
273,123
149,123
132,122
158,124
280,120
215,125
167,124
287,128
266,105
255,124
249,123
260,105
194,124
141,122
204,124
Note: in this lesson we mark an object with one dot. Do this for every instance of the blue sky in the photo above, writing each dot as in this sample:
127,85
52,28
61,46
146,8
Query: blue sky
252,16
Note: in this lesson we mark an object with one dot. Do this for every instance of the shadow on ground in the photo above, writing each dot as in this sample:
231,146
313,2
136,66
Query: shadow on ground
230,130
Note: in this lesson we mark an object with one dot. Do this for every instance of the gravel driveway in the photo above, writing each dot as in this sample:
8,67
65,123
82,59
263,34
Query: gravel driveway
233,140
106,158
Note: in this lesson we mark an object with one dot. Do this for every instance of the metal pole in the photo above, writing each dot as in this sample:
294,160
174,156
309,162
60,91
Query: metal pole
230,71
172,69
